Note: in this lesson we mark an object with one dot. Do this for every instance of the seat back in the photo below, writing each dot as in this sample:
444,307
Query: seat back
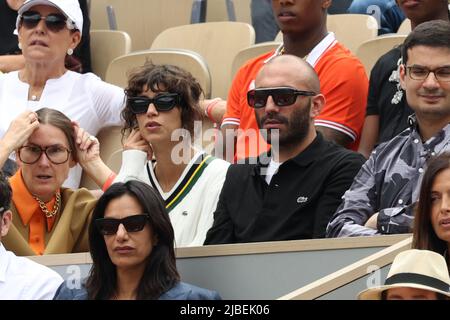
219,10
98,14
143,20
119,68
251,52
370,51
405,27
217,42
352,29
106,45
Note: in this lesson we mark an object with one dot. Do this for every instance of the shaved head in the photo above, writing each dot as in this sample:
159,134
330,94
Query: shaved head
294,121
296,71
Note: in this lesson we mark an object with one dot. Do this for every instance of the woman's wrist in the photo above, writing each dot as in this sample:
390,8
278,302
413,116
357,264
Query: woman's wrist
210,107
97,170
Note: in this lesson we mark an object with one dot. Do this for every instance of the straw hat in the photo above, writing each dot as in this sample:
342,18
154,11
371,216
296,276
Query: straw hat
420,269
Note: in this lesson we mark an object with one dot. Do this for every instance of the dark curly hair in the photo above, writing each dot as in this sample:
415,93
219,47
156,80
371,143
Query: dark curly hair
165,78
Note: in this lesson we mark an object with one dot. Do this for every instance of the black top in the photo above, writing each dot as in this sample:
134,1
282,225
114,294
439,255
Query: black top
298,203
83,50
9,168
383,86
8,40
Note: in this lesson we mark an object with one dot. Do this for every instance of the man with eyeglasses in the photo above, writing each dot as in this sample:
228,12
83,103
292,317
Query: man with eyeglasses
290,192
21,278
387,111
383,194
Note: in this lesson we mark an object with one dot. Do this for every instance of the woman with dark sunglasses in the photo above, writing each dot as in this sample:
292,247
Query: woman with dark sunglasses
48,33
161,110
48,218
132,248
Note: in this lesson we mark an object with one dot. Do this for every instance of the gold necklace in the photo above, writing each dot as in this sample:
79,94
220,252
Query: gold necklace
283,51
49,214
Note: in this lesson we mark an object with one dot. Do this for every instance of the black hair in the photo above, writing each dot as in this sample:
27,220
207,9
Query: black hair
5,194
160,271
434,33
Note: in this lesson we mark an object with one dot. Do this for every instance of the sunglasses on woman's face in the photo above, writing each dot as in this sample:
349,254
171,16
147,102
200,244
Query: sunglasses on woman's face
162,102
109,226
282,96
55,22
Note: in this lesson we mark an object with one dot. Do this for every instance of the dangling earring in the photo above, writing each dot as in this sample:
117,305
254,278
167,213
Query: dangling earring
70,51
19,45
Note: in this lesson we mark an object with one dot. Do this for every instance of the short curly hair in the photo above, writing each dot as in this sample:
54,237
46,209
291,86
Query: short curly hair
167,78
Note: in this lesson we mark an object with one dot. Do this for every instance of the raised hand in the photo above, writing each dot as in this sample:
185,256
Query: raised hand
135,142
88,147
19,131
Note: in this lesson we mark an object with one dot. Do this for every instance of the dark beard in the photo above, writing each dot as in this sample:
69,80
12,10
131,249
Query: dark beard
297,127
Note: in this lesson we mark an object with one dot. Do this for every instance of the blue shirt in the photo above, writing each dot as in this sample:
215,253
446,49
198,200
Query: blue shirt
181,291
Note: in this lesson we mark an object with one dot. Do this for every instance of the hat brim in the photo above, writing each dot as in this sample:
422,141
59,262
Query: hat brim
375,293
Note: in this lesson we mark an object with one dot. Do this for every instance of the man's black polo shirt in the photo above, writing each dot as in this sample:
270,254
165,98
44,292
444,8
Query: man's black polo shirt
298,203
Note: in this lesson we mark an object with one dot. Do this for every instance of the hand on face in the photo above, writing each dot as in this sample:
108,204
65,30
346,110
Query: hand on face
136,142
88,147
20,130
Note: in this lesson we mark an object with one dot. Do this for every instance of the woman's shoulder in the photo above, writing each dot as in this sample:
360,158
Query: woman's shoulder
218,164
71,291
80,194
186,291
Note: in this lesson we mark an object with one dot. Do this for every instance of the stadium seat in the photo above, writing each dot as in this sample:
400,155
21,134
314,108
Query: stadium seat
143,20
251,52
119,68
352,29
370,51
405,27
217,42
228,10
106,45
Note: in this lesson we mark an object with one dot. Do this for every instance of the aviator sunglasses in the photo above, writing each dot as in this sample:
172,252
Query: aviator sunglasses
109,226
162,102
282,96
55,22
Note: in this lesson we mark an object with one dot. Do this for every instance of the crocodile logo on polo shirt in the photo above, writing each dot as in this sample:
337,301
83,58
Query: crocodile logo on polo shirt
302,199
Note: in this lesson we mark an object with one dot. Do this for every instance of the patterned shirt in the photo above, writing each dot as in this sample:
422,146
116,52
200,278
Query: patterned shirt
388,184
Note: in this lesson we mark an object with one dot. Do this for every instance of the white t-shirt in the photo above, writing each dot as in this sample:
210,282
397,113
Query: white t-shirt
271,169
23,279
85,98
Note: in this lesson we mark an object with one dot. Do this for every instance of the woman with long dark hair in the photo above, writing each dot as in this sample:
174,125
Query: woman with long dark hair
132,247
432,217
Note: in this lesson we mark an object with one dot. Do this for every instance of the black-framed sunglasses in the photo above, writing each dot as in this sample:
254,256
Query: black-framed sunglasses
55,22
109,226
56,154
282,96
162,102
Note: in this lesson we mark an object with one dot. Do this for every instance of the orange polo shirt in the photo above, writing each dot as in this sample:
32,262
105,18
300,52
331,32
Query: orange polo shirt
31,214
